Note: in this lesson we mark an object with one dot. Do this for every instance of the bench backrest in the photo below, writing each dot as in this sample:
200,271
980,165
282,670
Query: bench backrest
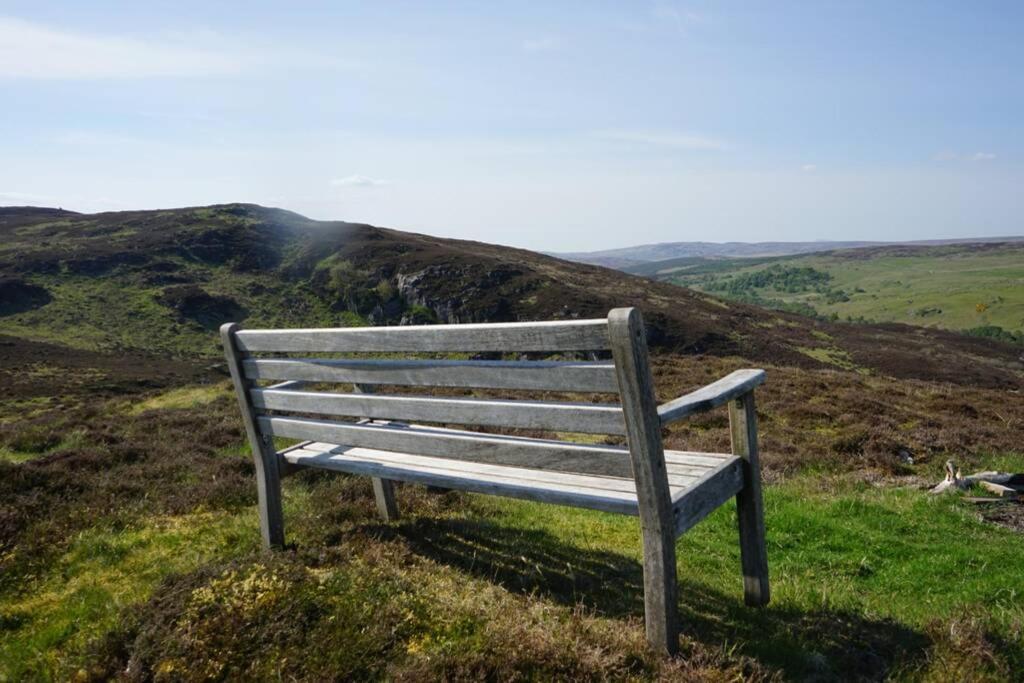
283,411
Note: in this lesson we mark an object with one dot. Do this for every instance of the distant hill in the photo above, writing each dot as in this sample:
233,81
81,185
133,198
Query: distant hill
629,258
976,288
162,281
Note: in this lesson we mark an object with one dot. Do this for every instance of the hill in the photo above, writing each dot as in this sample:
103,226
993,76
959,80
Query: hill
161,281
642,257
975,287
128,534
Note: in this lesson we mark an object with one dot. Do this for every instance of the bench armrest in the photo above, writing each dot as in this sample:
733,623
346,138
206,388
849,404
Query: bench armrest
713,395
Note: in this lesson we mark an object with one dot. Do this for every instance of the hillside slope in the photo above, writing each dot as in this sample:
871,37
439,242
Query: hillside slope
161,281
977,286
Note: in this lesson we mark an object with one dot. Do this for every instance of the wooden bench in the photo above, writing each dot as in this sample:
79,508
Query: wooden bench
669,490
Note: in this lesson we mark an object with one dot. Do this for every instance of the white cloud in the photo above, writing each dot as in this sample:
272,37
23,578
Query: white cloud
31,50
809,168
543,44
983,156
358,181
670,139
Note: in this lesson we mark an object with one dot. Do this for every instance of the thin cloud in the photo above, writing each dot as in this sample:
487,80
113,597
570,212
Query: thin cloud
669,139
543,44
358,181
30,50
954,156
680,19
25,197
809,168
79,202
34,51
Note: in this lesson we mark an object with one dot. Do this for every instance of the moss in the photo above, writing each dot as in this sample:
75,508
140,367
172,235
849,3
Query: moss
106,570
830,356
183,397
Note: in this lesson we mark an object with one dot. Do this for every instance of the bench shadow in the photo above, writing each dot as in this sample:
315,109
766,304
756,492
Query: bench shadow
820,644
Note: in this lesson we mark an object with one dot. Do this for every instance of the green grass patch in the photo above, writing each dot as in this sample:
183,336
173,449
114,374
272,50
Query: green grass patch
830,356
183,397
867,582
105,571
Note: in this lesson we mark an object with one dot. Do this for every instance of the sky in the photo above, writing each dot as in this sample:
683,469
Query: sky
553,126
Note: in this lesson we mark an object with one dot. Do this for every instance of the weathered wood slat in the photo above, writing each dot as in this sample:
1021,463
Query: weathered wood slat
265,458
749,506
496,449
643,427
680,464
558,335
706,494
587,418
285,468
598,377
308,456
711,396
695,459
495,484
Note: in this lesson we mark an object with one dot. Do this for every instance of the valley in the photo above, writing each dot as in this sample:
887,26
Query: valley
973,288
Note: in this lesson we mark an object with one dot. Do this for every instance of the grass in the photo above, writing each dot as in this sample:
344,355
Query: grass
183,397
835,544
119,312
955,288
866,581
106,571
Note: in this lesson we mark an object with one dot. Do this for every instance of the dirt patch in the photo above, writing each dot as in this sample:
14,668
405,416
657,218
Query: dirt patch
1009,515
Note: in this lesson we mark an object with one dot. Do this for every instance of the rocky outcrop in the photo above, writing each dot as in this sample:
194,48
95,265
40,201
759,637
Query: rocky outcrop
462,294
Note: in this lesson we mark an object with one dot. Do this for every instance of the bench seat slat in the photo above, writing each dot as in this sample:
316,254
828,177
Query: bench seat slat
611,494
315,451
676,462
498,449
350,460
558,335
570,376
587,418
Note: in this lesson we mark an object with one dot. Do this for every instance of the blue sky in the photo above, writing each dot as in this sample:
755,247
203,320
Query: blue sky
553,126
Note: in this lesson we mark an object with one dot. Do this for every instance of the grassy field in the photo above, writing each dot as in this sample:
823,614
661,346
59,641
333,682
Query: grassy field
126,554
956,288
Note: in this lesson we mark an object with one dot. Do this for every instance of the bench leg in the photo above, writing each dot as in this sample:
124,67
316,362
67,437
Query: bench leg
384,492
268,489
660,590
749,506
